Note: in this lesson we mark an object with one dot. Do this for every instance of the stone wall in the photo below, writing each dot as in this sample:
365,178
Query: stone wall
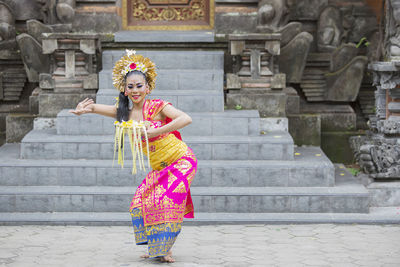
100,16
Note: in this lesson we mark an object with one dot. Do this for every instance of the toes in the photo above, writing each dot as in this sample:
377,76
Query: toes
168,259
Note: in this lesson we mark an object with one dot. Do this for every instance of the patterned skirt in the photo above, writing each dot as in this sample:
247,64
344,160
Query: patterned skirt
161,202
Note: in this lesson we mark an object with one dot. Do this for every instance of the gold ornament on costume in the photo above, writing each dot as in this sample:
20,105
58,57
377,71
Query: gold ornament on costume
132,62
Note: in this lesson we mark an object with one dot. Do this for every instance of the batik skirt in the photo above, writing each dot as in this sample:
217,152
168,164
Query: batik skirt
161,202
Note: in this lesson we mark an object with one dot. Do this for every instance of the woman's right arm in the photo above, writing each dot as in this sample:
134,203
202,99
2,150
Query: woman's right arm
88,106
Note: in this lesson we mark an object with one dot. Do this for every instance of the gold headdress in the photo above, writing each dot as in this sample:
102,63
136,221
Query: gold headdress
131,62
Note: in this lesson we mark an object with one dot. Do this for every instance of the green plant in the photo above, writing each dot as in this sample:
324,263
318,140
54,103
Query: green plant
238,107
363,41
353,171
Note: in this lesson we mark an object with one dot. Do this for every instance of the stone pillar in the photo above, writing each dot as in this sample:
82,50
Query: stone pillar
75,61
258,83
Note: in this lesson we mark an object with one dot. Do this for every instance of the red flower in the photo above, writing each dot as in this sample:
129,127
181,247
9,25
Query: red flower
132,66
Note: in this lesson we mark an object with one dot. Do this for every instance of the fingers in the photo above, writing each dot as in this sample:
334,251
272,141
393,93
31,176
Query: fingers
86,101
73,111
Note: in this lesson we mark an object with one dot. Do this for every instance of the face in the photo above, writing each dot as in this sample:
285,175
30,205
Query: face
136,88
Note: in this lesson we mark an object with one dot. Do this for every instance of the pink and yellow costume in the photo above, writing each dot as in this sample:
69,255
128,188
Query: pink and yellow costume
163,199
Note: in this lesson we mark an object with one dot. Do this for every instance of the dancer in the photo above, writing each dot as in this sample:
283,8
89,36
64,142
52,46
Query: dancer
163,199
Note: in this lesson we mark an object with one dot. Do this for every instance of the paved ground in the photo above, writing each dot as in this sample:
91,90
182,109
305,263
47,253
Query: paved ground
221,245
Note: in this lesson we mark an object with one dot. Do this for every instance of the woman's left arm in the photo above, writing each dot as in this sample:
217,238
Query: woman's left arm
179,120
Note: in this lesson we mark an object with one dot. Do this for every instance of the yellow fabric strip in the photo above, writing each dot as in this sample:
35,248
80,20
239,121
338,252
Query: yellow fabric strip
134,130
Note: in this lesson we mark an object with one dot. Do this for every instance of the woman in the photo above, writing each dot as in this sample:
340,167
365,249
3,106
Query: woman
163,198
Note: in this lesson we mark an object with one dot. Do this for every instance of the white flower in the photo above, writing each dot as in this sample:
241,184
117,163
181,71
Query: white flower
130,52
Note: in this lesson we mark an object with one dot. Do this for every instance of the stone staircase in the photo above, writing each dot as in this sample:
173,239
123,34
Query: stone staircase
65,175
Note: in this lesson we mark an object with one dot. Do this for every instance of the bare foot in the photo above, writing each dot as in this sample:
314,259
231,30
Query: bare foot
168,258
145,256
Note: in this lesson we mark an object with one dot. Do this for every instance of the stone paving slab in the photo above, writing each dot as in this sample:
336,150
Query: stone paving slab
217,245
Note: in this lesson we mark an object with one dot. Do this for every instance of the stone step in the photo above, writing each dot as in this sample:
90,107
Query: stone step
177,79
385,194
387,215
46,144
343,199
201,60
310,167
163,36
186,100
230,122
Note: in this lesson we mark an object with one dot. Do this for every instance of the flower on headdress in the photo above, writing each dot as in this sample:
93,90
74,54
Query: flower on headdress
132,66
130,52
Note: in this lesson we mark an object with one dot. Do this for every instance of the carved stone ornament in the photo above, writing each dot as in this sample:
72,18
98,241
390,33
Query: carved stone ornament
168,15
379,157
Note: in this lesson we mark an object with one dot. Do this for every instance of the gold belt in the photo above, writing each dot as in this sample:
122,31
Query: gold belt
165,151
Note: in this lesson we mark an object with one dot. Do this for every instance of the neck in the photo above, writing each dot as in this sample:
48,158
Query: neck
138,105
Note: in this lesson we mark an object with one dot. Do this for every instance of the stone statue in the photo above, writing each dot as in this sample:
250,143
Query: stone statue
393,28
308,9
34,60
57,11
330,29
7,28
58,16
24,9
272,14
295,46
346,73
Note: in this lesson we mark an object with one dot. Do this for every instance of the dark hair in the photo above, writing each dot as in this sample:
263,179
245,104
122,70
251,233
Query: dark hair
123,104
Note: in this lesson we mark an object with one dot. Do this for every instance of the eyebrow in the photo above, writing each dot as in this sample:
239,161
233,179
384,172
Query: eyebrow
134,83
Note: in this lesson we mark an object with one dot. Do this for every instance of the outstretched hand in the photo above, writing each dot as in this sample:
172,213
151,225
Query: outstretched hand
83,107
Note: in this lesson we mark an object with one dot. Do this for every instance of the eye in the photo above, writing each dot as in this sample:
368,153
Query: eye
139,86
